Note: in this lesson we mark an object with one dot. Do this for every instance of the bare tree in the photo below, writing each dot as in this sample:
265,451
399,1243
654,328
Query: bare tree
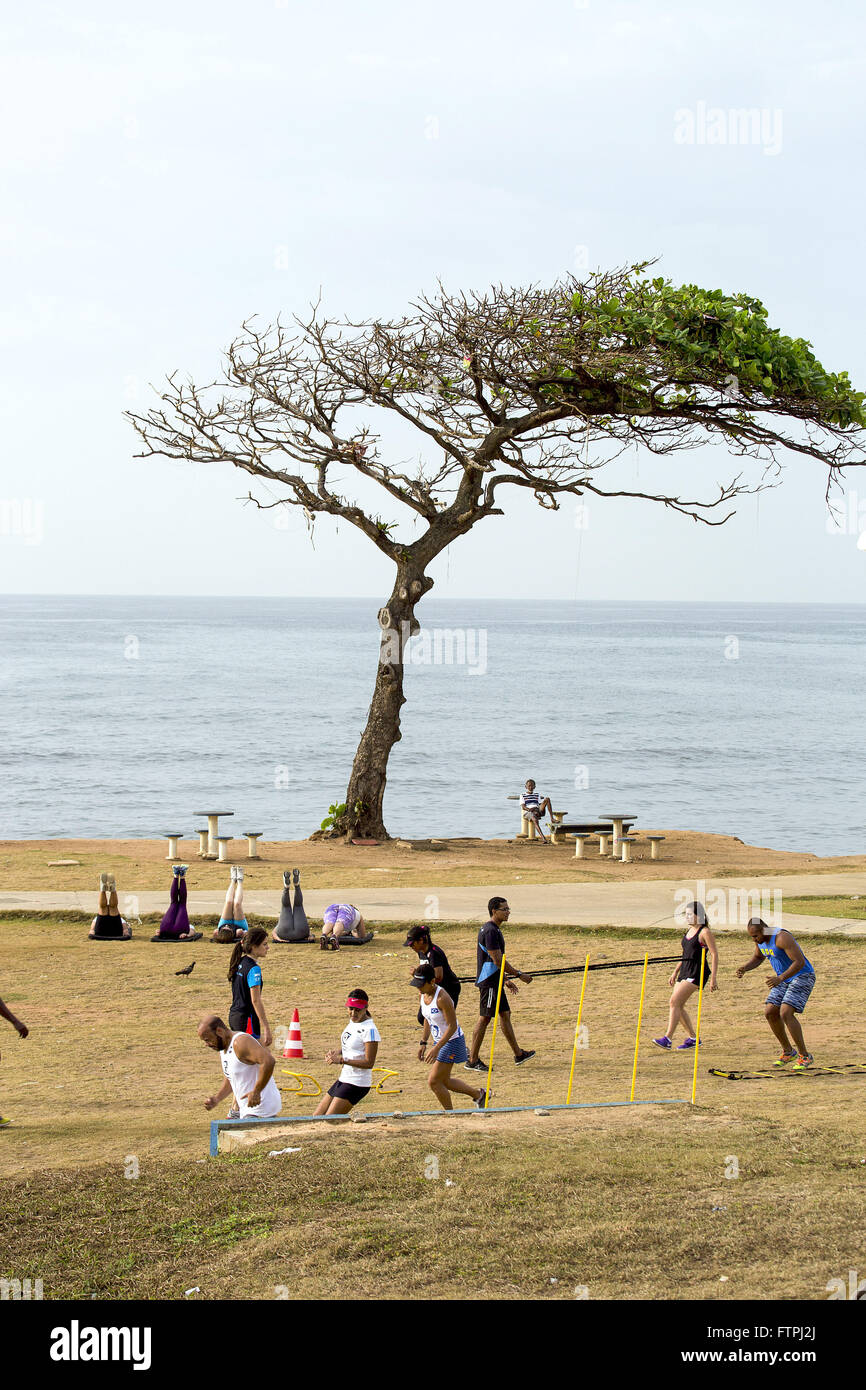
539,389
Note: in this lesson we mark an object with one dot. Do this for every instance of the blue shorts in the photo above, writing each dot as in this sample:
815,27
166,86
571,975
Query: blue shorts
227,922
454,1050
794,992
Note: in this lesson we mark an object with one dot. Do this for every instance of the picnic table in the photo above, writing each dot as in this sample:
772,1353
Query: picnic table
213,827
617,822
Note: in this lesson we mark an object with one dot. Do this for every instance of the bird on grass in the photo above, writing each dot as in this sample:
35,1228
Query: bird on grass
187,970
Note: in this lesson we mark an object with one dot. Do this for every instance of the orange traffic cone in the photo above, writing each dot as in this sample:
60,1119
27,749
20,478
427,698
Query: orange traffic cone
294,1045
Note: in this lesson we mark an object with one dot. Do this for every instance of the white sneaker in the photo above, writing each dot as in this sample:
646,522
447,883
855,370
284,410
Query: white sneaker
238,873
232,874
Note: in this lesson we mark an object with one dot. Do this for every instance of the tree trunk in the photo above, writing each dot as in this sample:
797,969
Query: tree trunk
366,790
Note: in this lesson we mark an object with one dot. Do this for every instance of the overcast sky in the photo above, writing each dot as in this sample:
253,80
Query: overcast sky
171,169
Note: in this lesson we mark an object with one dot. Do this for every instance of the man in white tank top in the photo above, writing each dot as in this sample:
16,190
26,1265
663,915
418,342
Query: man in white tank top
248,1070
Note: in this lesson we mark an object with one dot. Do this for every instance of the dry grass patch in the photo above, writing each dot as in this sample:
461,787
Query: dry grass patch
618,1200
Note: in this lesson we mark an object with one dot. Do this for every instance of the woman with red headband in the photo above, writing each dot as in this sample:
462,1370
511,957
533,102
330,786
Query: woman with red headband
357,1054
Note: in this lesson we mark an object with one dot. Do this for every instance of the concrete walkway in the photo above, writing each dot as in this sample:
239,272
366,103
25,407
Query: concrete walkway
729,902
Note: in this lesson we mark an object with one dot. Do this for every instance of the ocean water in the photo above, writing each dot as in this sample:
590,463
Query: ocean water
125,716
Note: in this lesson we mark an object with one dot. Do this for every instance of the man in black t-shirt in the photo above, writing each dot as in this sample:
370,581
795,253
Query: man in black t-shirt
491,948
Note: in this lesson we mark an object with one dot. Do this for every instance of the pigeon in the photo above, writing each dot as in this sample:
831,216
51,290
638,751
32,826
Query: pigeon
187,969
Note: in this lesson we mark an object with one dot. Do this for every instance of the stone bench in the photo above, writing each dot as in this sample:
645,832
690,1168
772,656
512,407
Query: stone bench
172,836
654,842
252,837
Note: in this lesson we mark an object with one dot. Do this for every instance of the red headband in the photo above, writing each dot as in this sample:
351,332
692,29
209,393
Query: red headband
353,1003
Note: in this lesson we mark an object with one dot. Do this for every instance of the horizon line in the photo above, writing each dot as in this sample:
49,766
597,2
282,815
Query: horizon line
456,598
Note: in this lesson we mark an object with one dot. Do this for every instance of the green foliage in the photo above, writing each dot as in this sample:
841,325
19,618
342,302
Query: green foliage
226,1230
335,814
688,338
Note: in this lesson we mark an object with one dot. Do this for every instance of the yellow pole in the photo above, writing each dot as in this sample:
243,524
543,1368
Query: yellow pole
698,1037
639,1017
493,1039
577,1032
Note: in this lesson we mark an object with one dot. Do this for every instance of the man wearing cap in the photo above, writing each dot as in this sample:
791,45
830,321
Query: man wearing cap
491,949
357,1054
446,1039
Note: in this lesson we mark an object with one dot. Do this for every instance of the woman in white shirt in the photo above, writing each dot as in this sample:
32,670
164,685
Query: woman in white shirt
357,1055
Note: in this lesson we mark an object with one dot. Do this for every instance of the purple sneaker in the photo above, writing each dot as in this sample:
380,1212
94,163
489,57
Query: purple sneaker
662,1042
689,1042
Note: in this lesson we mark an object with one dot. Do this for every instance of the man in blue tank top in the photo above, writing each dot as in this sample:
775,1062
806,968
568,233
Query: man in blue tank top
792,983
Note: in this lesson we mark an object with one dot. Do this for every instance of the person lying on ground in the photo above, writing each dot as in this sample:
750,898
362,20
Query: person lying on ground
686,978
791,984
248,1069
293,924
491,949
534,806
341,920
175,923
358,1048
233,923
443,1043
22,1030
108,925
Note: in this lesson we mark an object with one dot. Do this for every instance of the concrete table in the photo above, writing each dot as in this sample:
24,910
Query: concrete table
616,822
213,827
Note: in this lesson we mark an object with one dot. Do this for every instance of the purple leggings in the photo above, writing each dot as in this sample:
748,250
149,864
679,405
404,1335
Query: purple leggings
176,920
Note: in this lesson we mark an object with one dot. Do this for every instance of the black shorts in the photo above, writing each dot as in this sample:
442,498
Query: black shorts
239,1024
108,926
487,998
694,977
344,1090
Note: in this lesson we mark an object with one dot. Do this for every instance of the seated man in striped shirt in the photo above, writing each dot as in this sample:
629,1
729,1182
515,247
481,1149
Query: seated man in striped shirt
533,806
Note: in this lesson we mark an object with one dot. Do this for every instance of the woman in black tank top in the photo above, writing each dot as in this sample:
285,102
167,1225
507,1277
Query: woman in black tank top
697,938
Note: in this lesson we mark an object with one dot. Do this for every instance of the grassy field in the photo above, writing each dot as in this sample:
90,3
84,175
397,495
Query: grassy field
853,908
629,1203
